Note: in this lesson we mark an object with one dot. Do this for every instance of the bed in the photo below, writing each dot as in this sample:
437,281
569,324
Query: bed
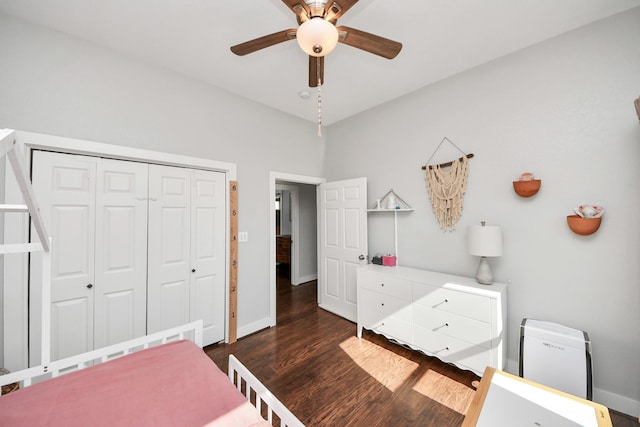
162,379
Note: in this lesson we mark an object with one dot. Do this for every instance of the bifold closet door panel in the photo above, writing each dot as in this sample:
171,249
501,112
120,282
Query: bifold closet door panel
121,251
64,186
169,259
208,217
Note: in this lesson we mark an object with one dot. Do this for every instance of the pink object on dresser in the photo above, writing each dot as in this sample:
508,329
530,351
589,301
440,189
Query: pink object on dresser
174,384
389,260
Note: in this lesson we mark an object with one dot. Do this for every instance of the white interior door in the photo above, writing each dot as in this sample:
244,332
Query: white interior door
208,219
64,186
121,251
343,244
169,259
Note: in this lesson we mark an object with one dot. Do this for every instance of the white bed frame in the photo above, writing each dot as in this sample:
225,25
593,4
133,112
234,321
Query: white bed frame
26,377
257,394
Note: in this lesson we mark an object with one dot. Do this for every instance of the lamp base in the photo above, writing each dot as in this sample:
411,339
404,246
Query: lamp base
483,273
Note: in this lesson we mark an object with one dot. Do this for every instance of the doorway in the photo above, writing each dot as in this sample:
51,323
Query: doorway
300,190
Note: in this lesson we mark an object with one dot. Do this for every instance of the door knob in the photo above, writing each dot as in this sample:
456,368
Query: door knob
361,257
89,286
193,270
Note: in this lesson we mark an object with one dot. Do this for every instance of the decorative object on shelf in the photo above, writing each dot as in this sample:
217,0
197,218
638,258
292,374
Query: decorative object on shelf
391,202
389,260
447,187
526,185
484,241
587,219
637,104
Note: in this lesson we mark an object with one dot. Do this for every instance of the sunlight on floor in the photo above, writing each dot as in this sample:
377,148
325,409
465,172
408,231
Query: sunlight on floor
445,391
388,368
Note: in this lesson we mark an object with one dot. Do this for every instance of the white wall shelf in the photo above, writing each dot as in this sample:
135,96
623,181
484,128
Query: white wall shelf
385,205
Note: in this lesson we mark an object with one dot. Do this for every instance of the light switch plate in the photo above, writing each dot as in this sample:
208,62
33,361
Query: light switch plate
243,236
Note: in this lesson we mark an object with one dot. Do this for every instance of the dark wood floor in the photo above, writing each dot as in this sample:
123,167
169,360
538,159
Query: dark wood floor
315,365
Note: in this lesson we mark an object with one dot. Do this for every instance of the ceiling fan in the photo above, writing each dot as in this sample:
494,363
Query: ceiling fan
317,35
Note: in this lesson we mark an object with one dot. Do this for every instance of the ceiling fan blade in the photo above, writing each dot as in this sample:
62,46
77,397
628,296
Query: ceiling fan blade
314,63
370,42
300,8
334,9
262,42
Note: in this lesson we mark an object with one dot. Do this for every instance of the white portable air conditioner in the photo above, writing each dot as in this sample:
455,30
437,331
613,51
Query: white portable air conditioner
556,356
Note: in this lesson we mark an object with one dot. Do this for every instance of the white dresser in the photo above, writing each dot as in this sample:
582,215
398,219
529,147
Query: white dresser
450,317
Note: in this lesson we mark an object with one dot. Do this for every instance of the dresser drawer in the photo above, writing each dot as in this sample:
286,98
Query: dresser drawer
375,306
462,303
463,328
452,350
395,328
389,285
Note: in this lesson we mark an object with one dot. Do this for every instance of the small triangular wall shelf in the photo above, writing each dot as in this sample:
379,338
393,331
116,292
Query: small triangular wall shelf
390,202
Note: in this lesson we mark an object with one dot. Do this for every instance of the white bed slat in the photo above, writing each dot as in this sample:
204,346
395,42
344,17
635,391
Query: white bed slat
70,364
238,372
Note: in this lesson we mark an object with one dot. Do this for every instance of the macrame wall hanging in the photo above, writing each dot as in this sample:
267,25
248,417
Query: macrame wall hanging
447,183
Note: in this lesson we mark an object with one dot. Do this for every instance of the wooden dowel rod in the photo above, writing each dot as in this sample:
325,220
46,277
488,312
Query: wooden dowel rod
444,165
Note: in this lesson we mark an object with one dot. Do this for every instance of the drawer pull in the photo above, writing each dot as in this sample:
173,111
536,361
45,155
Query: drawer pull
445,301
446,325
382,284
382,304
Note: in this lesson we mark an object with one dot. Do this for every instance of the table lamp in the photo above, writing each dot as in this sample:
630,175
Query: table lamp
484,241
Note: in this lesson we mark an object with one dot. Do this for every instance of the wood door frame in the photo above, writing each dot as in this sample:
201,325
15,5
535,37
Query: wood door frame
16,227
289,178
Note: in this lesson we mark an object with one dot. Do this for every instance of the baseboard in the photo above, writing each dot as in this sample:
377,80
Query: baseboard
251,328
305,279
349,316
617,402
611,400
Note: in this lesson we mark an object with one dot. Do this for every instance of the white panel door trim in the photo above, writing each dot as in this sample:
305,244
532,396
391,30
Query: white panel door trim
16,227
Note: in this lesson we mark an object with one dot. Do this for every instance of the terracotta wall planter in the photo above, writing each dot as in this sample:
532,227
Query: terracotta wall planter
583,226
527,188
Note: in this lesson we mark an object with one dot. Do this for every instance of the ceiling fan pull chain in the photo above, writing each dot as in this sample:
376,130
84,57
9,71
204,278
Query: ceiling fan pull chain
319,98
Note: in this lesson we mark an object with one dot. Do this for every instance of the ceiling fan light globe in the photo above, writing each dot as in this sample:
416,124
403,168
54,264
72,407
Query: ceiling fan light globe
317,37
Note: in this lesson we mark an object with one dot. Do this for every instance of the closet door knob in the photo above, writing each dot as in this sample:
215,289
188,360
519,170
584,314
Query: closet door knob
89,286
193,270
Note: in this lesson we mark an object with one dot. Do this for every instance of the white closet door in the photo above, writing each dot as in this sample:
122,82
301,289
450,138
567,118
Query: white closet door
121,251
64,187
208,214
169,257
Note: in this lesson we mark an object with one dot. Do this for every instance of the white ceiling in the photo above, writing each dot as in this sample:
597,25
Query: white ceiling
192,37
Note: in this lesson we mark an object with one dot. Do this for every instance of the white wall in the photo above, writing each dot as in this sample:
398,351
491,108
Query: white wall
55,84
307,241
562,109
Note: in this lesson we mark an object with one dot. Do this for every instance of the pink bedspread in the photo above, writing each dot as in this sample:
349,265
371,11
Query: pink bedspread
175,384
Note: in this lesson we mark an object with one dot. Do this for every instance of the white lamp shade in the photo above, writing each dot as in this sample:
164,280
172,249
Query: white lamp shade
484,240
317,37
